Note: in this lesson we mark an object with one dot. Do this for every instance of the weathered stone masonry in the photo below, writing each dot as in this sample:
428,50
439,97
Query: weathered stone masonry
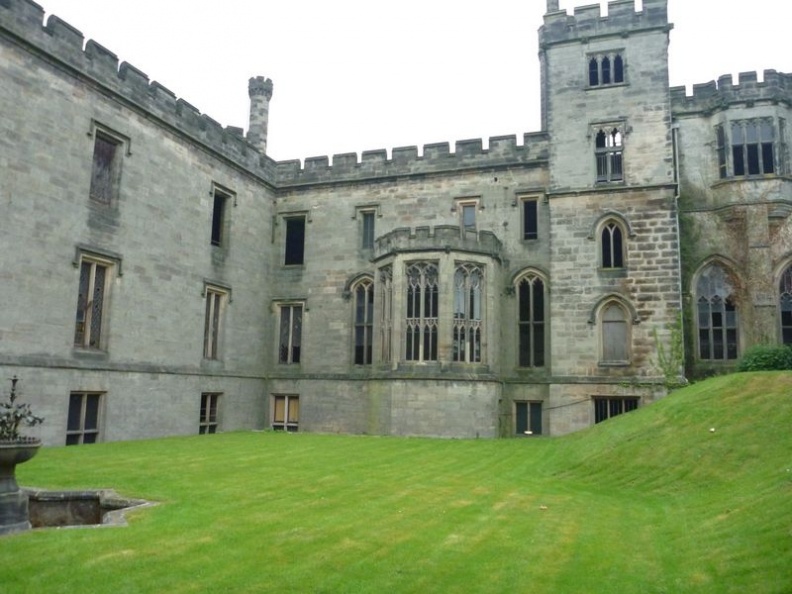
164,276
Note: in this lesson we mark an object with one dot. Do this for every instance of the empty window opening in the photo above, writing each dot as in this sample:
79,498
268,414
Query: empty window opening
530,219
94,277
753,150
467,325
212,322
717,315
82,425
207,422
364,322
422,312
290,334
285,413
608,154
605,70
606,408
218,218
531,322
295,241
528,418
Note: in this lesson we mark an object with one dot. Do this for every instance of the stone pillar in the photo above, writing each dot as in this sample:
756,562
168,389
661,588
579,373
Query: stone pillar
552,6
260,92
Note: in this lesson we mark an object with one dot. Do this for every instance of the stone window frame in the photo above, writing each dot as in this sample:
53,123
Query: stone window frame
528,232
288,423
609,259
529,277
77,435
629,318
210,413
606,407
610,64
609,141
352,292
220,229
361,214
731,342
283,219
217,297
293,333
468,323
783,286
384,317
111,263
532,414
463,206
421,329
122,147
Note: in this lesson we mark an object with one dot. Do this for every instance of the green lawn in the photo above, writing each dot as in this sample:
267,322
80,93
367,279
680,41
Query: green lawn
649,502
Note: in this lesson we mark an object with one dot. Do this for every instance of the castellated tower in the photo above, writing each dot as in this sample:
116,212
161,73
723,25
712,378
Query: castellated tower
260,91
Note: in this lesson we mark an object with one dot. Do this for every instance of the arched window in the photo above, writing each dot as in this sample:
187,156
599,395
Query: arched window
606,70
612,245
608,152
618,69
422,311
385,290
531,321
593,72
614,333
364,321
466,344
717,315
785,304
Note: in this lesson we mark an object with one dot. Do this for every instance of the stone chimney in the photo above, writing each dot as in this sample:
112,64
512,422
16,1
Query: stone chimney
552,6
260,91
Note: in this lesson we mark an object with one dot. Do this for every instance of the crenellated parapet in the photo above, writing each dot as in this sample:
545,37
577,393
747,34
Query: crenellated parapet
587,22
714,96
59,42
437,158
437,238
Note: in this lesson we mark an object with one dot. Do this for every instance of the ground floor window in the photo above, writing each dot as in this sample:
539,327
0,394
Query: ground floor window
285,413
605,408
528,418
207,422
82,425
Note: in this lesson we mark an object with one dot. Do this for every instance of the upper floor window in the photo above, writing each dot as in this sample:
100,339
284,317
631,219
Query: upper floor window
213,318
608,153
606,69
717,314
530,218
785,305
290,335
91,302
385,290
467,325
220,201
106,168
531,321
756,147
422,312
295,240
364,321
612,245
367,220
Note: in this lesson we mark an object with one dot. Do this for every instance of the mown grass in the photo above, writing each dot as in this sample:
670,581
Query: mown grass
650,502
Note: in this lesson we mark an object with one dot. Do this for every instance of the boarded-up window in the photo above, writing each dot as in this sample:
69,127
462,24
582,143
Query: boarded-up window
105,169
615,334
285,413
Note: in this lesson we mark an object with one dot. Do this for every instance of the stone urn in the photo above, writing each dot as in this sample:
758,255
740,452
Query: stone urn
14,515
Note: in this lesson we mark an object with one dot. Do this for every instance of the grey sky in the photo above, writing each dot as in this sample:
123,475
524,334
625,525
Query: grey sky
354,75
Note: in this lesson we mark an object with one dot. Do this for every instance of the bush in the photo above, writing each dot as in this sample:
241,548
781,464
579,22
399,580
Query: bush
764,357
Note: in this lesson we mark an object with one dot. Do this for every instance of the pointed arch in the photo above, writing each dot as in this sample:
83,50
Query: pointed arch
717,313
614,317
361,290
530,286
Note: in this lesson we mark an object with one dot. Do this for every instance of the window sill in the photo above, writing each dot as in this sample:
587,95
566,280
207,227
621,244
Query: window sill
610,364
613,272
88,353
607,86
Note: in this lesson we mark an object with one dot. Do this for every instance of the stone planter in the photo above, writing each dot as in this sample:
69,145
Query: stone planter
14,514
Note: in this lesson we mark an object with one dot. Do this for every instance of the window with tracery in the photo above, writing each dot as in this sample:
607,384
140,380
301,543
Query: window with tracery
422,311
785,304
607,69
531,321
717,315
608,152
364,322
467,324
385,290
612,245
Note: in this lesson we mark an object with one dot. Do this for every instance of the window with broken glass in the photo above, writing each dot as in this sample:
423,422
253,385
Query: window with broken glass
290,334
213,311
467,323
91,298
208,420
753,147
608,152
422,312
717,315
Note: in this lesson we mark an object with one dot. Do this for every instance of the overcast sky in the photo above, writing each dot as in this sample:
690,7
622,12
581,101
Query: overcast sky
355,75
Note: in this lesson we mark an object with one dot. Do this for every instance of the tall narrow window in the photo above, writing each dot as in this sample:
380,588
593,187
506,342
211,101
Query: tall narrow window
467,328
285,413
531,321
207,422
364,322
608,152
469,217
290,334
606,71
94,278
785,304
367,228
385,289
720,136
220,203
717,315
213,311
530,219
618,69
615,334
593,72
422,312
106,168
295,240
612,245
82,425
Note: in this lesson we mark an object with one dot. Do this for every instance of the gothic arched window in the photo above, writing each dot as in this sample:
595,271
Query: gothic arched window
612,245
422,311
717,314
531,321
466,344
364,321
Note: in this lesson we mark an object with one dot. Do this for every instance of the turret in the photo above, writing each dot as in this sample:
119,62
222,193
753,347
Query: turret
260,91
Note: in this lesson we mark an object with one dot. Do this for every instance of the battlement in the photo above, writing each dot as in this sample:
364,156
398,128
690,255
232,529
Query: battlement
503,151
587,22
58,41
439,237
713,96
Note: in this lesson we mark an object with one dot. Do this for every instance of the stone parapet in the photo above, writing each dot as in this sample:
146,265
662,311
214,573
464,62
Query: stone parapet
439,237
714,96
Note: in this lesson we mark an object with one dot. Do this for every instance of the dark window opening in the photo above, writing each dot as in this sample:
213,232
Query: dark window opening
606,408
618,69
608,153
104,174
606,71
290,334
82,425
753,147
528,418
367,242
422,312
721,140
364,322
295,240
207,422
593,72
785,303
612,246
531,322
90,305
218,218
530,219
717,315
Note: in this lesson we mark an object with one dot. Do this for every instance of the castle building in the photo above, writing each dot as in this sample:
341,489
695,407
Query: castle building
162,275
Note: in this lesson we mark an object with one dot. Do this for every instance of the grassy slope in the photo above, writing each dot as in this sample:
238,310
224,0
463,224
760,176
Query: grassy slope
649,502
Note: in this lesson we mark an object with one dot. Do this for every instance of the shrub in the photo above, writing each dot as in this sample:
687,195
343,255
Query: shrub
765,357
